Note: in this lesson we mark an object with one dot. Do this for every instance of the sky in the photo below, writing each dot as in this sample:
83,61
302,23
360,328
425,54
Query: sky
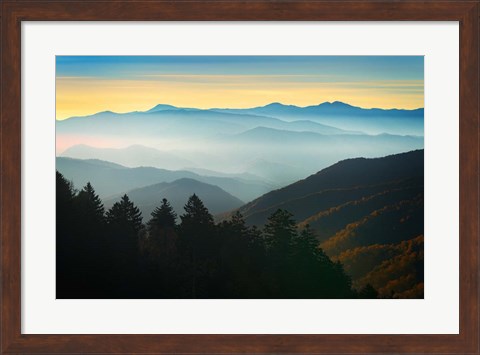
89,84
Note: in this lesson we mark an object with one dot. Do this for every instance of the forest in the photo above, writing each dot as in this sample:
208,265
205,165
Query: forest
115,253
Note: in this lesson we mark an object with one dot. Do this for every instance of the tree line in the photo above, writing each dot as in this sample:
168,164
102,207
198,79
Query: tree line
113,254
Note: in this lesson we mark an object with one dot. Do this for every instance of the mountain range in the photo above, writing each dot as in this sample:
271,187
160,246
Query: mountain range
291,142
327,118
345,116
111,179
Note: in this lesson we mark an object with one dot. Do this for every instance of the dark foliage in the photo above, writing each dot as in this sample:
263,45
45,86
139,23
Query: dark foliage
113,255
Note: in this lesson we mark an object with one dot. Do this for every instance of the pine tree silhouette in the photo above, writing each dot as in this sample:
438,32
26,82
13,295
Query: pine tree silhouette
112,254
196,212
124,222
241,260
124,215
280,233
90,205
307,243
160,250
89,229
199,245
163,216
66,243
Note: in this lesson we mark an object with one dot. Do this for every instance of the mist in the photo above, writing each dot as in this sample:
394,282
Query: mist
265,148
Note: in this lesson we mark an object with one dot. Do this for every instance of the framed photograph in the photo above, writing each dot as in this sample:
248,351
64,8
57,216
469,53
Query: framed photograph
240,177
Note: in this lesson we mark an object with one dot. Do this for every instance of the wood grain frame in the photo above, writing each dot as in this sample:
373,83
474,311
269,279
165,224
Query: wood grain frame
14,12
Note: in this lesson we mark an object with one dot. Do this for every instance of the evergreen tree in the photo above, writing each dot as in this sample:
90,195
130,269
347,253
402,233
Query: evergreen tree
341,285
257,254
197,228
65,194
237,223
90,222
124,221
162,217
65,237
90,205
311,266
125,216
90,242
280,233
200,248
196,212
160,250
306,243
90,231
90,215
234,257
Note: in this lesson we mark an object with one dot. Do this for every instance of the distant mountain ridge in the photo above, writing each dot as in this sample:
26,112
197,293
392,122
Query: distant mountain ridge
293,147
228,120
177,193
327,118
335,107
266,133
110,179
131,156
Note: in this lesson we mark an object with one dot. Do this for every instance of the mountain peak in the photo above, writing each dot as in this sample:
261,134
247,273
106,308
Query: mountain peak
335,104
278,105
274,104
101,113
162,107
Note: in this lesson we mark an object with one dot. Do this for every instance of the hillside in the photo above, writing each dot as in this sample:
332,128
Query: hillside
350,173
363,212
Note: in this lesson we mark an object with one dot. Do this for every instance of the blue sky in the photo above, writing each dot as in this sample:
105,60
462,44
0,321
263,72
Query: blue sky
342,67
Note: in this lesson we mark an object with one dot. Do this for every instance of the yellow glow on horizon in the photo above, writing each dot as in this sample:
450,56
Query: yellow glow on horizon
85,96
